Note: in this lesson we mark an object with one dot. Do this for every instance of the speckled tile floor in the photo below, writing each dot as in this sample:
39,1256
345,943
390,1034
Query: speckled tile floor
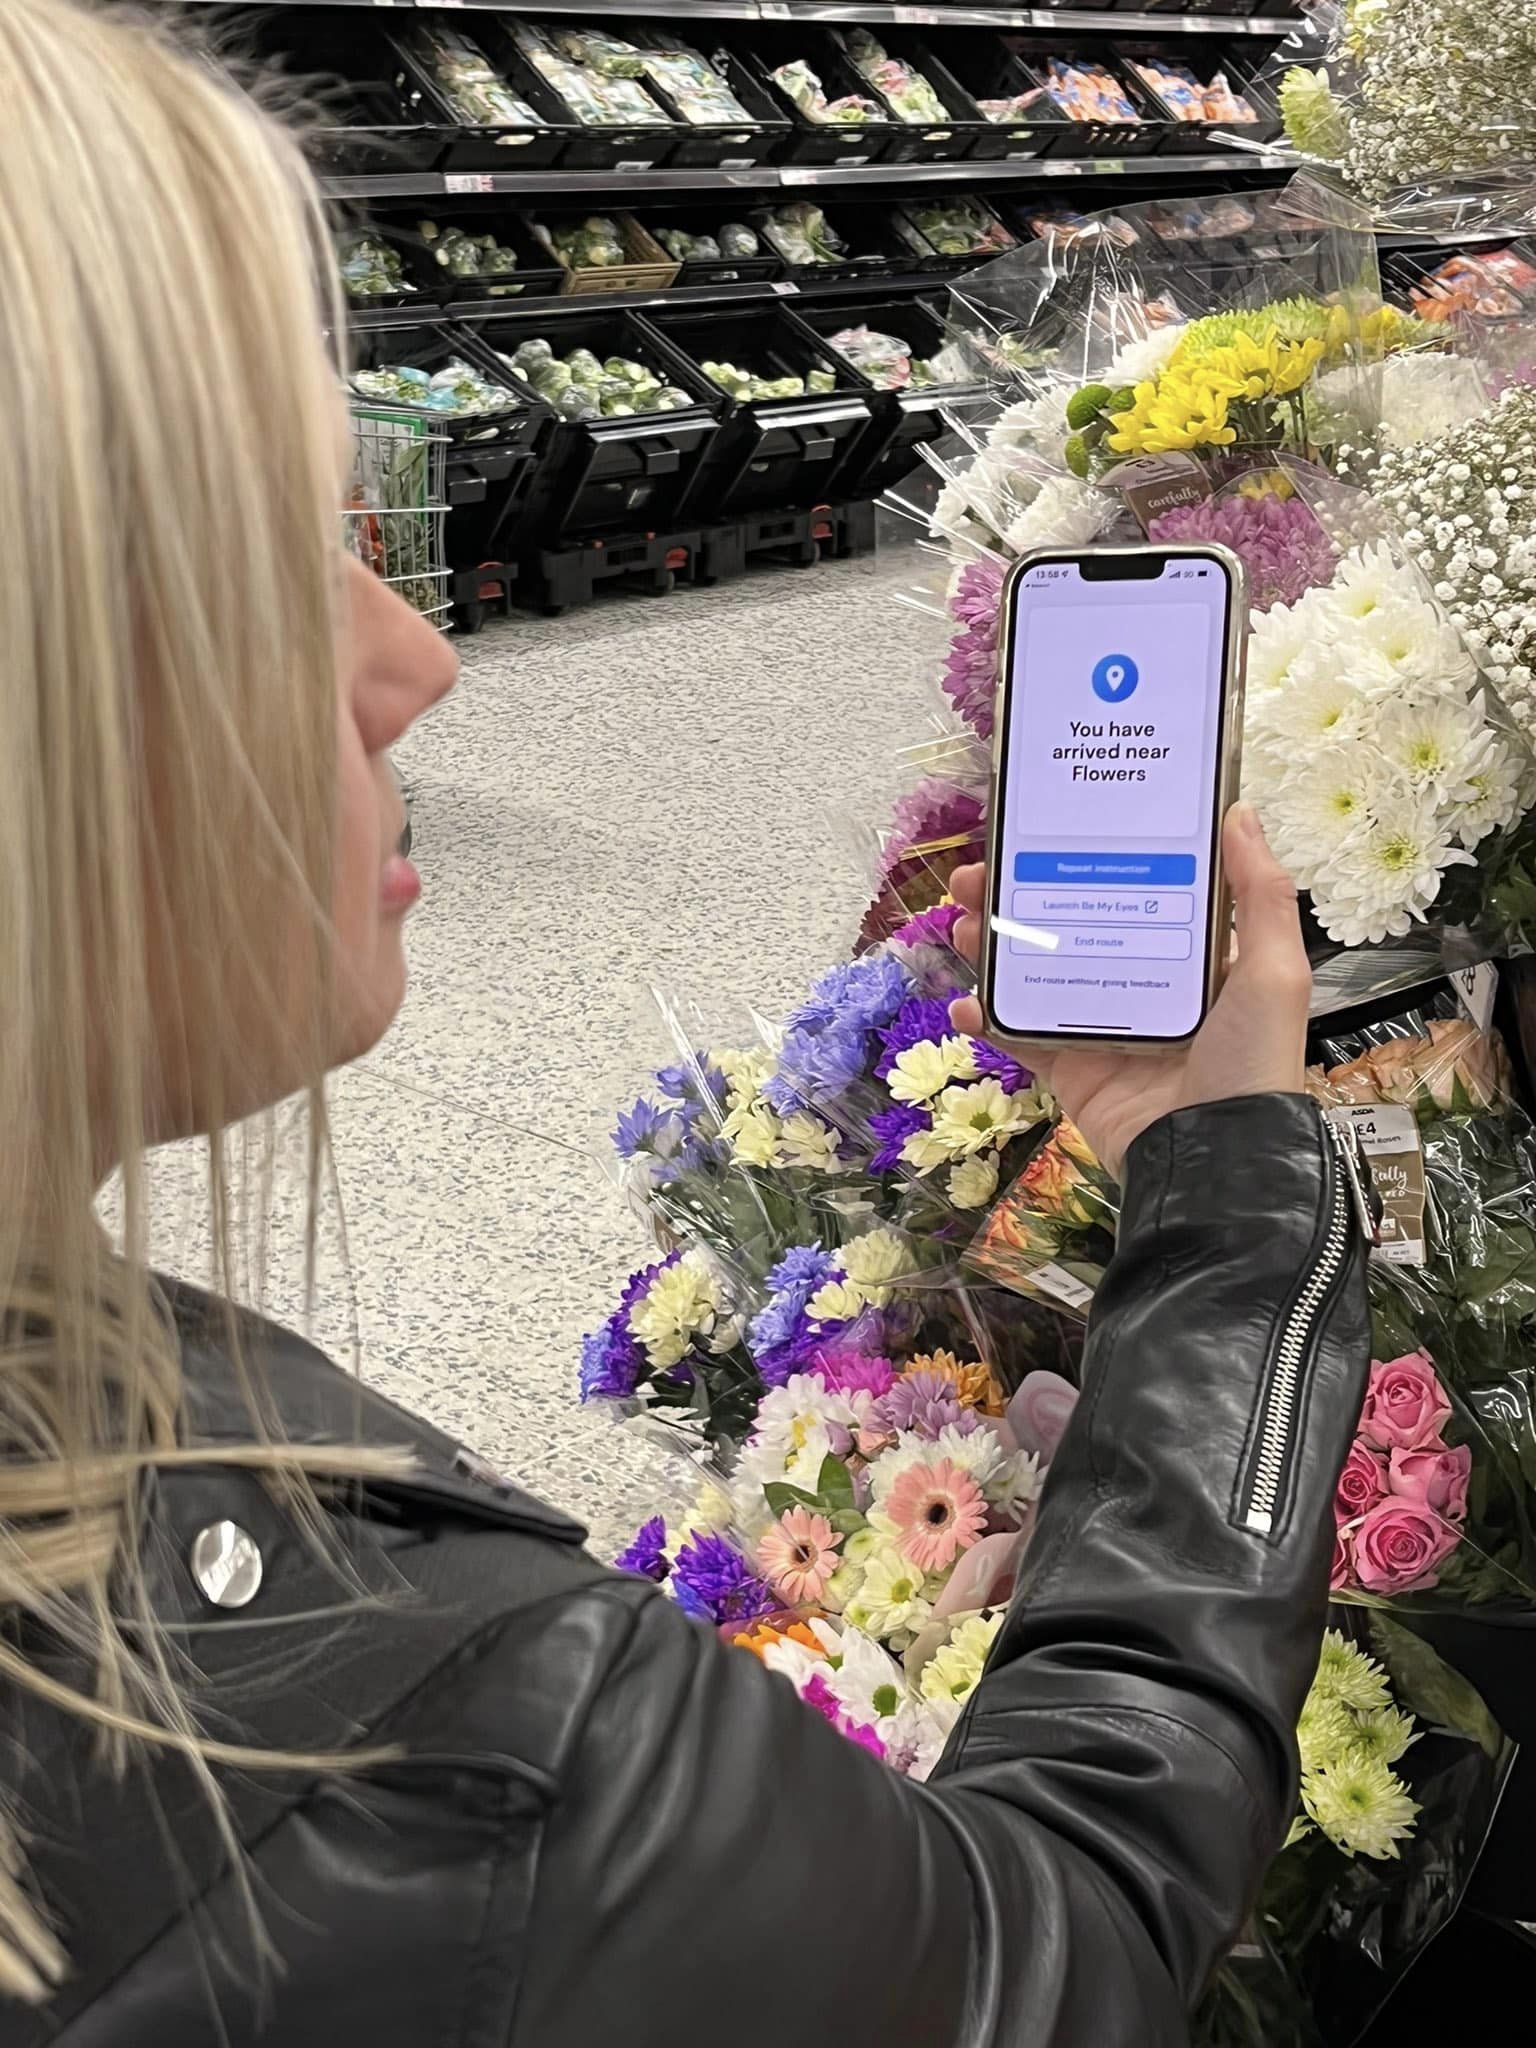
648,792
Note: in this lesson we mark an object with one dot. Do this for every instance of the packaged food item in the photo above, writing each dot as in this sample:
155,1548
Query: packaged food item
370,267
1086,91
734,239
952,227
1177,220
904,89
694,86
598,97
1067,225
889,362
457,389
747,387
1493,286
1017,107
803,86
462,254
1186,99
596,243
1228,214
802,234
475,92
582,386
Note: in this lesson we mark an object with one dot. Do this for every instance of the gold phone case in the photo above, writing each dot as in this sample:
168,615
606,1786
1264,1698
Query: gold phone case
1229,769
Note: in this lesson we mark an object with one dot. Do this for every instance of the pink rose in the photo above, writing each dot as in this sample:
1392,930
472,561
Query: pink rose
1435,1477
1405,1404
1399,1545
1343,1572
1039,1412
1362,1483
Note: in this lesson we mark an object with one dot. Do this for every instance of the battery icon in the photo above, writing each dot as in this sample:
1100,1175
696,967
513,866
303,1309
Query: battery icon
1202,572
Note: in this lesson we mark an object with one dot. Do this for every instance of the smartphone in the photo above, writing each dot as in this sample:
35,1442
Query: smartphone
1116,755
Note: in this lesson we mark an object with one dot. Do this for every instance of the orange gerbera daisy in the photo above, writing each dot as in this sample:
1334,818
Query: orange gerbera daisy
762,1635
975,1383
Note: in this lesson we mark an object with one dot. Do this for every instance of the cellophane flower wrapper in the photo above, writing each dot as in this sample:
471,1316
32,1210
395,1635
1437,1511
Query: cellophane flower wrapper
1418,110
1342,1915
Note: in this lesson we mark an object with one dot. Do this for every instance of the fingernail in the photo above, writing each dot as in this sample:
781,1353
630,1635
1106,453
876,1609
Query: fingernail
1246,818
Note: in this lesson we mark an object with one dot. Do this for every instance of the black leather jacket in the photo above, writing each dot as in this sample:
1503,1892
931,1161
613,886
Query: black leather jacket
606,1827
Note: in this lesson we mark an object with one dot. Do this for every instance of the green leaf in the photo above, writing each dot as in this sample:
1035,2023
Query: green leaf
781,1497
834,1484
848,1522
1428,1687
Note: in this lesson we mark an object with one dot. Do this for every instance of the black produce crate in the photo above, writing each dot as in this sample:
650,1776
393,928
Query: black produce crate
905,420
985,69
768,452
710,270
607,476
875,250
491,148
535,277
1107,139
425,341
418,269
967,133
368,118
733,148
624,145
763,48
1201,138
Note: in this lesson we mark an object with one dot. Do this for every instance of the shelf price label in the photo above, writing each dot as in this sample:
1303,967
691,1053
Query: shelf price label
923,16
469,181
774,10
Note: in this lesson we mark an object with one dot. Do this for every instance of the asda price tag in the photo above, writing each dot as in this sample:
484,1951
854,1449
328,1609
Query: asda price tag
1388,1135
1475,989
469,181
1061,1285
923,16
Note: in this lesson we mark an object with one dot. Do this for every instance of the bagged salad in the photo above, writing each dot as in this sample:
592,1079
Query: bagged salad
457,389
733,240
596,243
474,91
905,90
953,227
582,386
370,268
694,86
802,234
748,387
885,359
462,254
802,85
591,74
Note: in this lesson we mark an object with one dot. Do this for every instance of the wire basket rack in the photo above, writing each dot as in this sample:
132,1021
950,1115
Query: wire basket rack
397,503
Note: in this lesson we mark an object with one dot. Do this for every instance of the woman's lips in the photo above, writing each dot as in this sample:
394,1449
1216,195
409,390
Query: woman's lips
400,884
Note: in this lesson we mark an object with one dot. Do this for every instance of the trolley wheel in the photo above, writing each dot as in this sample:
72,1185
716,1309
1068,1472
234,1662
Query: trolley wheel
658,582
469,617
806,554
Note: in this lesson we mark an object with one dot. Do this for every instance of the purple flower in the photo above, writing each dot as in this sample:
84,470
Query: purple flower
612,1363
865,993
934,927
970,667
850,1372
923,1401
693,1082
923,1018
817,1062
935,809
644,1553
821,1699
804,1266
779,1335
712,1581
978,594
893,1127
1001,1066
1281,542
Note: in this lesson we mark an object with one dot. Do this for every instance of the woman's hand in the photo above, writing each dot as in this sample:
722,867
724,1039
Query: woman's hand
1252,1043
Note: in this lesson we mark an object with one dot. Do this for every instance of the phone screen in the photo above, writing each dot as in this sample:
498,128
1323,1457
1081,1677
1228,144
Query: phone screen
1104,857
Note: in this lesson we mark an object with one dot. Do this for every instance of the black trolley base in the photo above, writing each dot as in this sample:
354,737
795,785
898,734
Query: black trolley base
552,580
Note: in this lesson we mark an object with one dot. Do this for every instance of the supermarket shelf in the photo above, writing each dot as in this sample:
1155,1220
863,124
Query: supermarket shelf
557,184
816,293
1081,21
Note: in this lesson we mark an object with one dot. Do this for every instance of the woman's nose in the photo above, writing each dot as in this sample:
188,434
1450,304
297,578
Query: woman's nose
404,665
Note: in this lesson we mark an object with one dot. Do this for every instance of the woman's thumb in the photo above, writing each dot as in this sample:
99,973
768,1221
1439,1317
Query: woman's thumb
1268,921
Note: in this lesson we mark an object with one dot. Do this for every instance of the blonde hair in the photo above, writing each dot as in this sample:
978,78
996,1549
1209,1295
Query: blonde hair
169,584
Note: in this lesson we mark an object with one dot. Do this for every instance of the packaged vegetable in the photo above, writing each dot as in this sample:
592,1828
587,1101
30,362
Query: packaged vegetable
688,248
695,87
905,90
954,227
747,387
1186,98
1018,107
736,239
474,91
608,55
802,234
1086,91
598,99
801,84
580,387
596,243
370,267
462,254
457,389
1067,225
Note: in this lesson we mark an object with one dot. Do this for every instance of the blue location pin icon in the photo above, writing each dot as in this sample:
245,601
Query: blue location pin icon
1115,677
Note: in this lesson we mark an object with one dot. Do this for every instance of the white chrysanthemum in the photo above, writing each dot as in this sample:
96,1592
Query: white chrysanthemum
806,1141
1322,803
1360,1805
973,1182
1385,1734
977,1451
1038,425
1426,393
884,1472
1436,744
745,1071
1349,1676
1278,639
924,1069
925,1151
1367,578
915,1736
753,1133
953,1669
837,1301
976,1118
1142,359
1320,707
1064,511
867,1682
1494,795
1382,884
891,1601
877,1258
680,1303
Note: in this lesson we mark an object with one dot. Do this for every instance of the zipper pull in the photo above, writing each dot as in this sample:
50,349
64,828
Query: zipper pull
1358,1176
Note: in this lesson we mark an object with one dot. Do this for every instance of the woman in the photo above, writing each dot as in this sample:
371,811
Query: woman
315,1735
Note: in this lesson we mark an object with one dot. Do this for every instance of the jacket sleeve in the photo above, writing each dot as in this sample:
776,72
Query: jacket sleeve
723,1867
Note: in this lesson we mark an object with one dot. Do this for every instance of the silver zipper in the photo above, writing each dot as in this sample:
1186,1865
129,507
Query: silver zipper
1279,1424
